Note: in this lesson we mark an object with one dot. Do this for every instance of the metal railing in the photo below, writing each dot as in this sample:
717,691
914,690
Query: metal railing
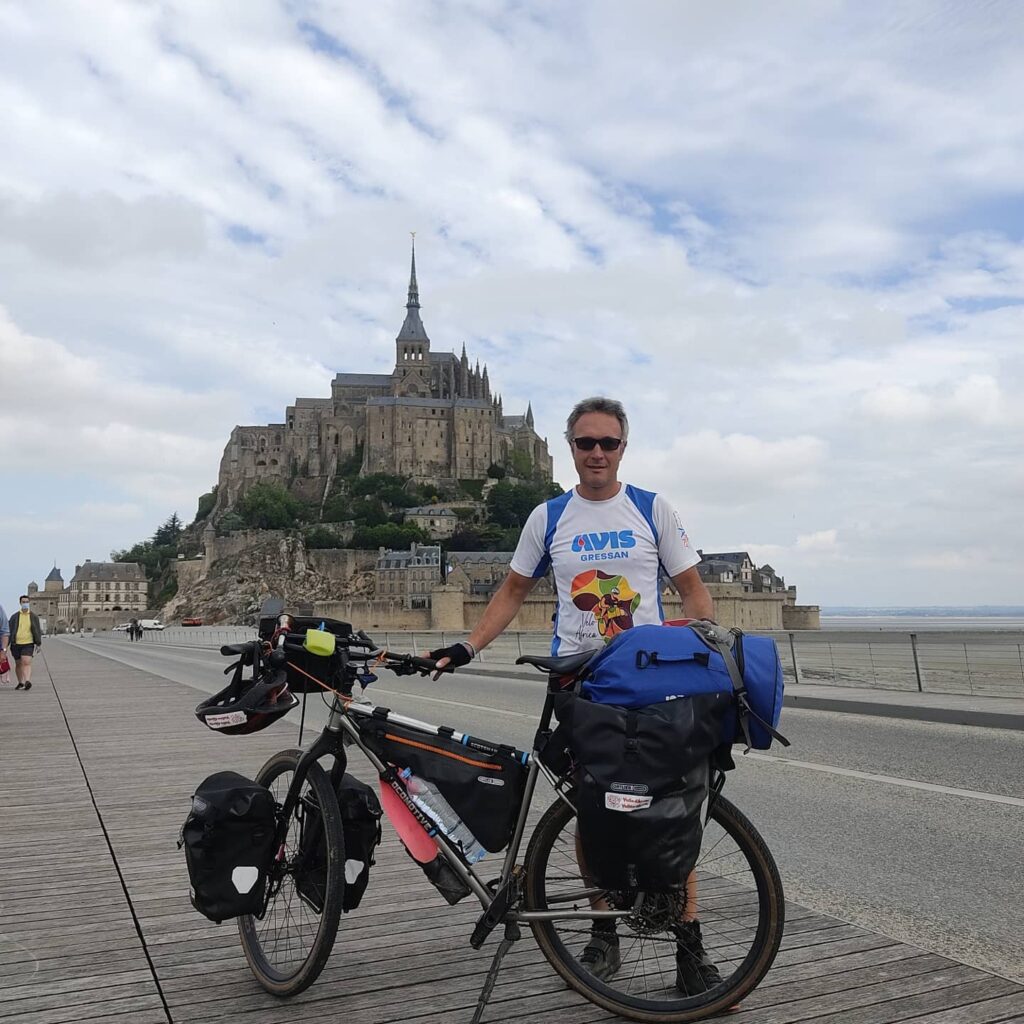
978,663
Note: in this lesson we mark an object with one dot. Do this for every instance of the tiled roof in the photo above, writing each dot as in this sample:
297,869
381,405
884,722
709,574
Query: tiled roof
363,380
480,557
426,510
110,571
54,574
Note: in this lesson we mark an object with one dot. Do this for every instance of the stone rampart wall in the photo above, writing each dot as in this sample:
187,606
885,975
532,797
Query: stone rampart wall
801,616
376,614
340,563
189,571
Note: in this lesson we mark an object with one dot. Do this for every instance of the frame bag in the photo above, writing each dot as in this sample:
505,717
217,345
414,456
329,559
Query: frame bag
360,820
228,839
483,782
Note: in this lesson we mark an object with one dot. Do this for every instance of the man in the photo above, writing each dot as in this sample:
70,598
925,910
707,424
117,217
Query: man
602,540
26,635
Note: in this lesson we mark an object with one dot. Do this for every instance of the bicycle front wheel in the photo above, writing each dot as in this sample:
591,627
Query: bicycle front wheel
289,947
737,899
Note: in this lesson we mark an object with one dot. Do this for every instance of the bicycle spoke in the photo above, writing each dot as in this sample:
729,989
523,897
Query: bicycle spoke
727,901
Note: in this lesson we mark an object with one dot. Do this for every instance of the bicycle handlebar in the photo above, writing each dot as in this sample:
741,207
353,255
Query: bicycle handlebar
400,664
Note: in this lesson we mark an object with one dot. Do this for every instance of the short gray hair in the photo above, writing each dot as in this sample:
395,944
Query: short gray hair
597,404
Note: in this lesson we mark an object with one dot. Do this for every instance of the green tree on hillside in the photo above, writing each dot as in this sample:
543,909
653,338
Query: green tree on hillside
267,506
169,533
206,503
509,505
388,535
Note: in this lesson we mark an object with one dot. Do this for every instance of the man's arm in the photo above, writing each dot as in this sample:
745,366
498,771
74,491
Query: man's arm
500,611
697,602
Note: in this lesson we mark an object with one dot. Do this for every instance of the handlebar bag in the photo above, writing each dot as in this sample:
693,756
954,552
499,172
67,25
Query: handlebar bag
228,839
642,775
482,781
360,821
651,663
303,664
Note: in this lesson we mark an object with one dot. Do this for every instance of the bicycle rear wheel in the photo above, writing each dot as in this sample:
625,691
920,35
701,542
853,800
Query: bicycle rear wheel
289,947
739,903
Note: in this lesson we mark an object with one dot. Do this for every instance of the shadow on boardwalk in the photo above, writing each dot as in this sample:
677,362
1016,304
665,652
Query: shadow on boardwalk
99,763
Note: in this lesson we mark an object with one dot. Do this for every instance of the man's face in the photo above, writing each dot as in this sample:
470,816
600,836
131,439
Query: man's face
597,469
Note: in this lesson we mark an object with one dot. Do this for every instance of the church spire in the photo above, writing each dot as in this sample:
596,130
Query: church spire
412,329
414,292
529,414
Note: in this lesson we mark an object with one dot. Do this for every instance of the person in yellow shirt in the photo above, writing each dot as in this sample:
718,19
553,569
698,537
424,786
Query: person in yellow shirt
26,636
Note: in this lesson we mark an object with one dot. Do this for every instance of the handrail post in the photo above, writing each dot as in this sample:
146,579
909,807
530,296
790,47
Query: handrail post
792,651
917,663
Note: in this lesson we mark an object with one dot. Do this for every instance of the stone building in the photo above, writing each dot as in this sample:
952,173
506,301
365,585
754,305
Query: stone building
46,602
409,576
480,573
437,520
103,587
433,418
738,568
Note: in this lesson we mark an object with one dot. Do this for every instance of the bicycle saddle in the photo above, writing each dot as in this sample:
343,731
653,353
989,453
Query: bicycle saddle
565,665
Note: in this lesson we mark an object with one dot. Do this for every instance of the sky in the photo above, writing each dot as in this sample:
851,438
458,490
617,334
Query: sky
790,238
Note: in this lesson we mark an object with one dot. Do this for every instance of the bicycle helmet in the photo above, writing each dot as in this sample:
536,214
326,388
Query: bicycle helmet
248,705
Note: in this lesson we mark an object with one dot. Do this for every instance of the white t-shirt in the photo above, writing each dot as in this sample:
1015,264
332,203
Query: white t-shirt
605,557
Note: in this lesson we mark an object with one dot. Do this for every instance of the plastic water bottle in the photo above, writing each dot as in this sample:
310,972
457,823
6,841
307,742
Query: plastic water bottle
429,800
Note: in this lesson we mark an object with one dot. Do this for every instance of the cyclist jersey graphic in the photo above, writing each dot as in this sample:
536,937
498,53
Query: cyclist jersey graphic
610,599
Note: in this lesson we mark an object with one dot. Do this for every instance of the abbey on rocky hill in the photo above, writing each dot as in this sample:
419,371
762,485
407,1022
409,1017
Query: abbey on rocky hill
433,418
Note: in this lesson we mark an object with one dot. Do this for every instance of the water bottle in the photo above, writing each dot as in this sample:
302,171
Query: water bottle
421,847
429,800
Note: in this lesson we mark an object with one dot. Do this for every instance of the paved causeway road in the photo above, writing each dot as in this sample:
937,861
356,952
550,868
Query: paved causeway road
911,829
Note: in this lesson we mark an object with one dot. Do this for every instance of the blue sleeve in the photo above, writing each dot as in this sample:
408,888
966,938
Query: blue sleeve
5,626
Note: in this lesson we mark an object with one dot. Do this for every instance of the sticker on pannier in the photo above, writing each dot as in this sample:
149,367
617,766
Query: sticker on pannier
641,779
228,840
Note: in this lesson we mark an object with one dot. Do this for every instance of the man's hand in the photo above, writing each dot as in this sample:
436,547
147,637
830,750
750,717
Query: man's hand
456,656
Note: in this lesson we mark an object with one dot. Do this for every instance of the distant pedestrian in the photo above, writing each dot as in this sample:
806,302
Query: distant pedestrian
5,636
26,634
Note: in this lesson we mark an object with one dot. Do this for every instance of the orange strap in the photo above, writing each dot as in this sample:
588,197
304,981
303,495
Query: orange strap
443,753
330,689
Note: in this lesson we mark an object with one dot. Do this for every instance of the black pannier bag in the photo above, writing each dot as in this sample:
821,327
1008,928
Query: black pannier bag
642,776
483,782
228,838
360,820
302,664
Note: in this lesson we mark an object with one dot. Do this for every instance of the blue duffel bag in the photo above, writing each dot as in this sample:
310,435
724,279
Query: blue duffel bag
649,664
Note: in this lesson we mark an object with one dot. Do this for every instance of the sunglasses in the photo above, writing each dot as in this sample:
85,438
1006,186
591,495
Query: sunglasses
608,444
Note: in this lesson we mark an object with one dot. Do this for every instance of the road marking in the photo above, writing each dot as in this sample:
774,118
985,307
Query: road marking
490,709
890,780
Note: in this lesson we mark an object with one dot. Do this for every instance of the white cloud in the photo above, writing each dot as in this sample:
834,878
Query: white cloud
792,246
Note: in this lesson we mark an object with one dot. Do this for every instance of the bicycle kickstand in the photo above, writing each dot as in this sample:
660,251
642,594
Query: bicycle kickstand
512,934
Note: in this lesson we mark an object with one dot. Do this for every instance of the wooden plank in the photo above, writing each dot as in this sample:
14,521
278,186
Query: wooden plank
403,956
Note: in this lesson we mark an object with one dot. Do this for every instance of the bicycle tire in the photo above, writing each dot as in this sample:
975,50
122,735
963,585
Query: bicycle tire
757,959
281,922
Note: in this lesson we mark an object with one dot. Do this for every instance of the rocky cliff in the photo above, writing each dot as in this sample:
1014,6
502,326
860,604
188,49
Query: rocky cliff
269,563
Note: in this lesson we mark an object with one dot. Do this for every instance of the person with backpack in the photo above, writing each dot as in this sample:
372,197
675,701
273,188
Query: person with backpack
605,543
26,635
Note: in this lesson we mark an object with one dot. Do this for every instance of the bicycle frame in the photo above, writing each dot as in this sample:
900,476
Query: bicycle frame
331,740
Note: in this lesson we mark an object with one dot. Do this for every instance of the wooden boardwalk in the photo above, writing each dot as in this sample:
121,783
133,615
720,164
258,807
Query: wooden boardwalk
99,761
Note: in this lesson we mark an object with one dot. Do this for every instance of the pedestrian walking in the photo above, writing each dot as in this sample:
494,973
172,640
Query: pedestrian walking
26,635
5,636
